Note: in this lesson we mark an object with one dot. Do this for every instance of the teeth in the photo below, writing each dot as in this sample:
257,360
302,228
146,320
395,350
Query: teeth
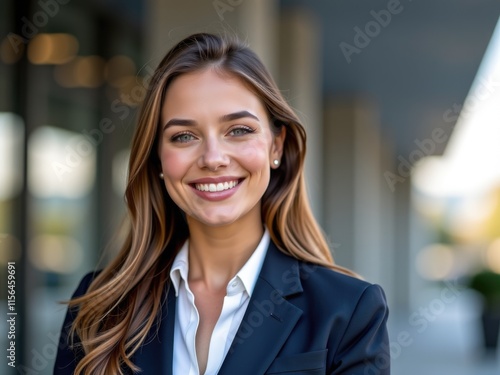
221,186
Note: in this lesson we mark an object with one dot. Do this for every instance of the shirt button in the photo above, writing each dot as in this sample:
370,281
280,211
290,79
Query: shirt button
234,284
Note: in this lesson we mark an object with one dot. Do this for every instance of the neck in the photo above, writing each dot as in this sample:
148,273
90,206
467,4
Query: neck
216,254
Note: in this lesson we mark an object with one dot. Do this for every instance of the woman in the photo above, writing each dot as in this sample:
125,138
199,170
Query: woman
224,270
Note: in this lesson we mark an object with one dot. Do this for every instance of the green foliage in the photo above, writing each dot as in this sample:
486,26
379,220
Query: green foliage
487,283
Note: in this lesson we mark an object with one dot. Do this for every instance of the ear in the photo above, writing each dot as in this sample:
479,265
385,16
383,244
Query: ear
277,147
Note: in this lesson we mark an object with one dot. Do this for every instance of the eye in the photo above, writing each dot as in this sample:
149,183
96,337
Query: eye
182,137
241,130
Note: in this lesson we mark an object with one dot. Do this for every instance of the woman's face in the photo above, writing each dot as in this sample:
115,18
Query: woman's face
216,147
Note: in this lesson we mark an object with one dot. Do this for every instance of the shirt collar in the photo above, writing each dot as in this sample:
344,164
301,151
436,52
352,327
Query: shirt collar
180,267
248,274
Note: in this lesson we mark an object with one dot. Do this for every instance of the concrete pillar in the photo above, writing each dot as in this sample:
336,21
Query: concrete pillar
338,177
167,22
257,21
388,229
300,80
354,210
403,223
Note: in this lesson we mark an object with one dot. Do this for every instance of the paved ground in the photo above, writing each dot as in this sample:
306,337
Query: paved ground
448,343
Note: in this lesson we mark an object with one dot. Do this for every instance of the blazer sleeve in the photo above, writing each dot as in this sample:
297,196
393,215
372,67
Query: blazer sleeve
69,352
364,347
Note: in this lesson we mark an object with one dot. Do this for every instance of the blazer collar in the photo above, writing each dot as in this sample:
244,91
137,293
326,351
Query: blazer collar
281,272
266,325
269,318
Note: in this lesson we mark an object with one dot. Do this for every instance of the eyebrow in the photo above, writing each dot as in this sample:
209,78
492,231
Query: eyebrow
237,116
224,118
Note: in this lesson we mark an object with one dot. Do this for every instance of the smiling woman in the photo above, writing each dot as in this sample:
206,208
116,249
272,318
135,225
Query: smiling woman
217,132
225,269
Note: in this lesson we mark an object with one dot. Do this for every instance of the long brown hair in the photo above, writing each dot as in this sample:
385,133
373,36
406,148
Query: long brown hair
124,300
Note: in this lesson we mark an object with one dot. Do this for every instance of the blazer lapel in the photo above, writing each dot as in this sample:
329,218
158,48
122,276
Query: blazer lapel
156,354
269,318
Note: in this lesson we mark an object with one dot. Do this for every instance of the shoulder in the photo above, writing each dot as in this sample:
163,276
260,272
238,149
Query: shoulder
315,285
353,312
84,284
334,282
335,291
81,289
343,314
69,352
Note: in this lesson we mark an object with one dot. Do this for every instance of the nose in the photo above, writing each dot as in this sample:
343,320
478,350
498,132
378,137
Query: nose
214,155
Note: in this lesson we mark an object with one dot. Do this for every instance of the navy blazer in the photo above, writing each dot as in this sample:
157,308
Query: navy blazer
301,319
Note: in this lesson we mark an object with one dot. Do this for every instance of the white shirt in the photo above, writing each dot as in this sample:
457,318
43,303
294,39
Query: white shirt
238,293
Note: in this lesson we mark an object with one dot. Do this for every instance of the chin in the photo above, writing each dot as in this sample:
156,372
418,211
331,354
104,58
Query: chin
215,220
220,222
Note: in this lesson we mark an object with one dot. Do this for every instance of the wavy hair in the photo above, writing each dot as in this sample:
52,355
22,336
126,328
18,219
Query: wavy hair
125,299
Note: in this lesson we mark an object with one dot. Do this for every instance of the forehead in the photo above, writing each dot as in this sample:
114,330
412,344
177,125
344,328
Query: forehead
209,90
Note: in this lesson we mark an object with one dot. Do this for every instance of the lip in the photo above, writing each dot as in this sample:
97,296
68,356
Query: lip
215,180
217,195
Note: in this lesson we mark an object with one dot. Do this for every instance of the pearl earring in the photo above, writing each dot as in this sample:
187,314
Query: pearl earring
161,175
276,162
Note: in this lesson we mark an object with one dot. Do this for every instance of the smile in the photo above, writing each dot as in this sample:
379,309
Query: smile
221,186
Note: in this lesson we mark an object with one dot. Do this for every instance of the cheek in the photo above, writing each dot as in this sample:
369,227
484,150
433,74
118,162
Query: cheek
254,156
174,164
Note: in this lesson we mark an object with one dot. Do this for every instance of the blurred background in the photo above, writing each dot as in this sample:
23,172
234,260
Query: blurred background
401,102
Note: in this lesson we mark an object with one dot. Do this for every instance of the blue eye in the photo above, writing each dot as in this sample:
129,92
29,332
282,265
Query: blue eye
182,138
239,131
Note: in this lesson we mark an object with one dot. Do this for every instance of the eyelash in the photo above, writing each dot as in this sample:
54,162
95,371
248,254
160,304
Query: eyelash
176,138
246,129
